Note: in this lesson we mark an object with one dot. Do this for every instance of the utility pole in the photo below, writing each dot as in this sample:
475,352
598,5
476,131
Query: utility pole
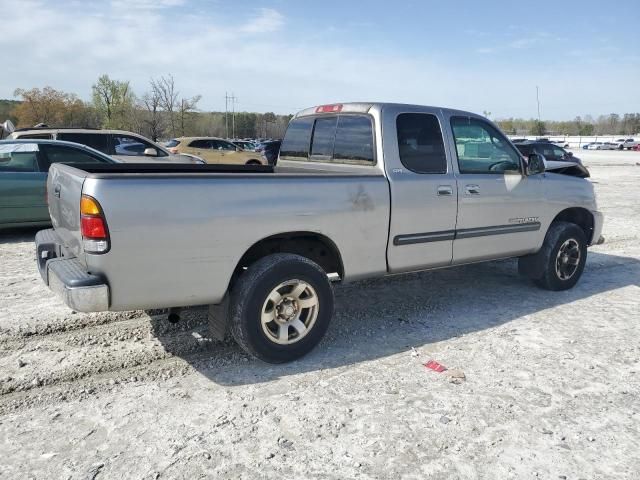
538,100
226,118
233,115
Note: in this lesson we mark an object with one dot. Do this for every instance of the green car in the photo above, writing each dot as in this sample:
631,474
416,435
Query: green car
23,176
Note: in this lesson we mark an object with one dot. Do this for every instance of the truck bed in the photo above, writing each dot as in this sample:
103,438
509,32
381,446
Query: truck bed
178,231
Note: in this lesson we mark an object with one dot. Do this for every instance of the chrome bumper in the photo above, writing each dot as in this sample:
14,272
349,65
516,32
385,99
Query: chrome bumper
67,277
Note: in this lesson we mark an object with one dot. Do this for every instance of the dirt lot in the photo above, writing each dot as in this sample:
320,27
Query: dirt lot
551,387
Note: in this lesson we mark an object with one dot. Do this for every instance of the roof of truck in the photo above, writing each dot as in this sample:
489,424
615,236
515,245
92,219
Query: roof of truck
365,107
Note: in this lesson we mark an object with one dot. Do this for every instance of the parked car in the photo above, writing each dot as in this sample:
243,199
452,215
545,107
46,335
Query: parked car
122,145
216,150
549,151
23,175
625,143
602,146
433,187
246,145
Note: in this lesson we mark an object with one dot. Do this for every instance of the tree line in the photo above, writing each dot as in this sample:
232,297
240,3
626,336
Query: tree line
161,112
612,124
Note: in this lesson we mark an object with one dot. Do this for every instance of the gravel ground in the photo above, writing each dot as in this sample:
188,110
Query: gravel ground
540,384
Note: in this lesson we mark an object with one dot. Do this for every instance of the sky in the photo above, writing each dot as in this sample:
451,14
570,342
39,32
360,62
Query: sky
285,55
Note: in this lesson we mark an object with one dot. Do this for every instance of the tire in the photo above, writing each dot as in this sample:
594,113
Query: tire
251,302
558,274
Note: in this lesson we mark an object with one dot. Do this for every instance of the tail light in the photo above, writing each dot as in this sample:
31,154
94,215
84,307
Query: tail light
93,226
335,108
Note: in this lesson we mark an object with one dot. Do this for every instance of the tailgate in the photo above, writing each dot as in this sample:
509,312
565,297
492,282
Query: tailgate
64,190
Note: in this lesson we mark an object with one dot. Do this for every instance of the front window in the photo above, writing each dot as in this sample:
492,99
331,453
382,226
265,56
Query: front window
481,148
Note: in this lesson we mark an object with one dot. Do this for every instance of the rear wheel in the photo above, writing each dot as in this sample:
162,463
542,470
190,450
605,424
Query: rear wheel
563,256
280,307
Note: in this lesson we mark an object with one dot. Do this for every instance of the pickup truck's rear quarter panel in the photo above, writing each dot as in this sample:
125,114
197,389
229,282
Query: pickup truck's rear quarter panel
175,241
64,190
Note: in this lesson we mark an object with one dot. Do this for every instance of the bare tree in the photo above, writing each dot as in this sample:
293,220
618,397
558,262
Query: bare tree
185,108
151,102
168,98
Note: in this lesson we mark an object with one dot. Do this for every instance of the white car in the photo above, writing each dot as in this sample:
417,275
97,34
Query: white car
602,146
625,143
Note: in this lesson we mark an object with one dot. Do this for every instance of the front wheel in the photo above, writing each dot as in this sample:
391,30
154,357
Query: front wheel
280,307
563,256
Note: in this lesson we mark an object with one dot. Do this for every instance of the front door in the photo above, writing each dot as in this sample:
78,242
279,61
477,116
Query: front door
499,208
423,190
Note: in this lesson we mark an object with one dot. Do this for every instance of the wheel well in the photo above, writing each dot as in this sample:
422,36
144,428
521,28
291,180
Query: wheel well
581,217
253,161
314,246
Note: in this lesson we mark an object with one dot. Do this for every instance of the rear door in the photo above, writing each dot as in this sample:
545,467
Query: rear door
499,208
423,190
22,185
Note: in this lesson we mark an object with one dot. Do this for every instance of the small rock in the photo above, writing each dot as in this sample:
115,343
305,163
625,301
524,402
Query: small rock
269,455
444,419
207,455
21,363
546,431
456,376
285,443
591,439
93,471
562,477
36,382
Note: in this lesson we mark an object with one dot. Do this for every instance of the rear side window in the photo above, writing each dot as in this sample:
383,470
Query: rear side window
41,136
98,141
296,142
172,143
420,143
200,144
65,154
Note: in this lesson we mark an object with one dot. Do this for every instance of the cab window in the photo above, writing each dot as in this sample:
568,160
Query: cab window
420,144
481,148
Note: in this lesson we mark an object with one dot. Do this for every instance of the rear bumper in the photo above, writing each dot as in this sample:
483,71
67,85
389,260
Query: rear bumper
67,277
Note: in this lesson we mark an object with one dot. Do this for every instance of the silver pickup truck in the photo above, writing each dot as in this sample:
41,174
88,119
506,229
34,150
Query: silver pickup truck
360,190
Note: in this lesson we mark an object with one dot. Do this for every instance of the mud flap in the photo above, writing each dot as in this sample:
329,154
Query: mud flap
218,319
532,266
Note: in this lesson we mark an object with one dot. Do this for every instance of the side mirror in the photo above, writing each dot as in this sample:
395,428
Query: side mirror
535,164
569,154
150,152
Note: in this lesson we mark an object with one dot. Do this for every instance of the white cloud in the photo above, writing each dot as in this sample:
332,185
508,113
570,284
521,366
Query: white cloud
267,66
145,4
268,20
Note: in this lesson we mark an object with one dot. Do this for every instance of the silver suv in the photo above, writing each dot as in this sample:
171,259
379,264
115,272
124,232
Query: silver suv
125,146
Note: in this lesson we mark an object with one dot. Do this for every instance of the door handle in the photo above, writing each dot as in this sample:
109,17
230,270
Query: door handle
445,190
472,189
56,190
